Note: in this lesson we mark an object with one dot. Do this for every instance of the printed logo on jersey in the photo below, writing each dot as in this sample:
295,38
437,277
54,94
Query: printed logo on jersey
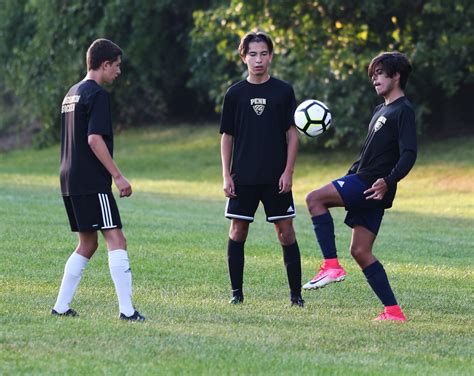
340,182
69,103
379,123
258,105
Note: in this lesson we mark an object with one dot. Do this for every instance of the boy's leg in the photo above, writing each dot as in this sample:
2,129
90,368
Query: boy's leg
121,273
235,257
291,258
318,203
361,249
240,210
73,272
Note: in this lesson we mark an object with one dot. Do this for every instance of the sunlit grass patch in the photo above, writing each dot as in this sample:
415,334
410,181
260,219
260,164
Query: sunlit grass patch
177,234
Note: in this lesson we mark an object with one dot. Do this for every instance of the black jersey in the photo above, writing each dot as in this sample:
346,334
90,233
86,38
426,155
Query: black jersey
390,148
258,117
85,110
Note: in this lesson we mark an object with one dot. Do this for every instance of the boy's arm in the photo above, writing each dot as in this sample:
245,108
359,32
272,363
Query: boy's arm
286,179
408,150
227,145
99,148
407,145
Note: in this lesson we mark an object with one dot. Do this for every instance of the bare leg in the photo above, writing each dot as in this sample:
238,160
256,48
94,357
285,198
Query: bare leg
285,231
320,200
361,246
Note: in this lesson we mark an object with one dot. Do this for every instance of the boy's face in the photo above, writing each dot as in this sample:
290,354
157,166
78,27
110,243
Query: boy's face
111,70
384,84
258,59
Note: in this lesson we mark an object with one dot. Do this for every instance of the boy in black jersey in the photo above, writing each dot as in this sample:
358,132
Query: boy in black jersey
387,155
86,173
258,149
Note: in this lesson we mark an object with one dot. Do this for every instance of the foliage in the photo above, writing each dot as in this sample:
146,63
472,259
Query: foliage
180,56
43,45
323,48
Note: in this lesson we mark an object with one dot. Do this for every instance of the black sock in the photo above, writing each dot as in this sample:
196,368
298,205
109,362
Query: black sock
235,260
323,226
378,281
292,259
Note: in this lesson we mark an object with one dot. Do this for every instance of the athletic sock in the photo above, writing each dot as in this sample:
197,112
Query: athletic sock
122,276
378,281
72,276
394,310
292,259
331,263
324,229
235,261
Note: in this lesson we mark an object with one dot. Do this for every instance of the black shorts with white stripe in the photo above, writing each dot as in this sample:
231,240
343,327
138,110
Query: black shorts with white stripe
92,212
278,206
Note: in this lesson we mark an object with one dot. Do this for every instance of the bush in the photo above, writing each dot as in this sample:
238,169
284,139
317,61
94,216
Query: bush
323,48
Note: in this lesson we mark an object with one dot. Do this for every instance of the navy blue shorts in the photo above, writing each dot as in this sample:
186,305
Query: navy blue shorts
360,211
277,206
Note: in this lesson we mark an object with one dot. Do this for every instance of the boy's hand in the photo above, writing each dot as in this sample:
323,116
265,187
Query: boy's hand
378,190
229,187
123,186
285,183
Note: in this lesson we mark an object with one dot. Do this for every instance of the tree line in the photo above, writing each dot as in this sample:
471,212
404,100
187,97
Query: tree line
180,56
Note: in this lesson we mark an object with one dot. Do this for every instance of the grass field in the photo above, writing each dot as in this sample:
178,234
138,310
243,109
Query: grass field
177,238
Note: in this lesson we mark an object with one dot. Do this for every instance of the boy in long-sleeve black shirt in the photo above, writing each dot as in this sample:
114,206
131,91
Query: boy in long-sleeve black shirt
387,155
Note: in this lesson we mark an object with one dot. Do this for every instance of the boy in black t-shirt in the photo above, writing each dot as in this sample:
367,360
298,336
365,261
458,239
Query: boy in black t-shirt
86,173
387,155
258,149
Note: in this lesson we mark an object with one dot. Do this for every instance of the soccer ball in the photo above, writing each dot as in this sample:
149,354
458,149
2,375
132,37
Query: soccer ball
312,117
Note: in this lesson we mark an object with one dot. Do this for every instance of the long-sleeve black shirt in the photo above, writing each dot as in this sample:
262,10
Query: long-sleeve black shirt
390,148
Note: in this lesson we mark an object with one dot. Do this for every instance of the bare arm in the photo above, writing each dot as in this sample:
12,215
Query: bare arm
99,148
286,179
227,146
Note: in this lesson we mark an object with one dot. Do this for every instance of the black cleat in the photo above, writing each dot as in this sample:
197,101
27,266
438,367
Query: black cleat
237,299
297,301
69,312
135,317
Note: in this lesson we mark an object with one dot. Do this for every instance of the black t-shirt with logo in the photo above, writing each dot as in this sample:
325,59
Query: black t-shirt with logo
390,148
85,110
258,117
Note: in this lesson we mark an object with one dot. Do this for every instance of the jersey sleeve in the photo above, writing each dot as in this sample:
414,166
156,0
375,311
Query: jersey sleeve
227,116
100,121
407,147
291,108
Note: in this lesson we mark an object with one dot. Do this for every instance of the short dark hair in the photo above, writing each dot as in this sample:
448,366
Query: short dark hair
101,50
391,63
252,36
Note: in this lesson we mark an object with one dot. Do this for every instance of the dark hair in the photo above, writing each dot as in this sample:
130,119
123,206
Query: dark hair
101,50
252,36
391,63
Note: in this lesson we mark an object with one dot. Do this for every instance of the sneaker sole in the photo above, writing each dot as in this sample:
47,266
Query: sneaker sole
315,287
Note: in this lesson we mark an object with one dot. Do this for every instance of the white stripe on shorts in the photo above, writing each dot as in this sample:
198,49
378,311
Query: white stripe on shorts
270,219
236,216
106,213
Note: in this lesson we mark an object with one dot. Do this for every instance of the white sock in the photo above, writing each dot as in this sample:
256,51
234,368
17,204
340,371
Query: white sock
122,277
72,276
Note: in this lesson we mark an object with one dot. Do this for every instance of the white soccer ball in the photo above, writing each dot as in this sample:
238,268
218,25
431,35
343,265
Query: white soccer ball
312,117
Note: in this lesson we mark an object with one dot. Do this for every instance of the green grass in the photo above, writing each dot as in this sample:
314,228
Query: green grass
177,241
